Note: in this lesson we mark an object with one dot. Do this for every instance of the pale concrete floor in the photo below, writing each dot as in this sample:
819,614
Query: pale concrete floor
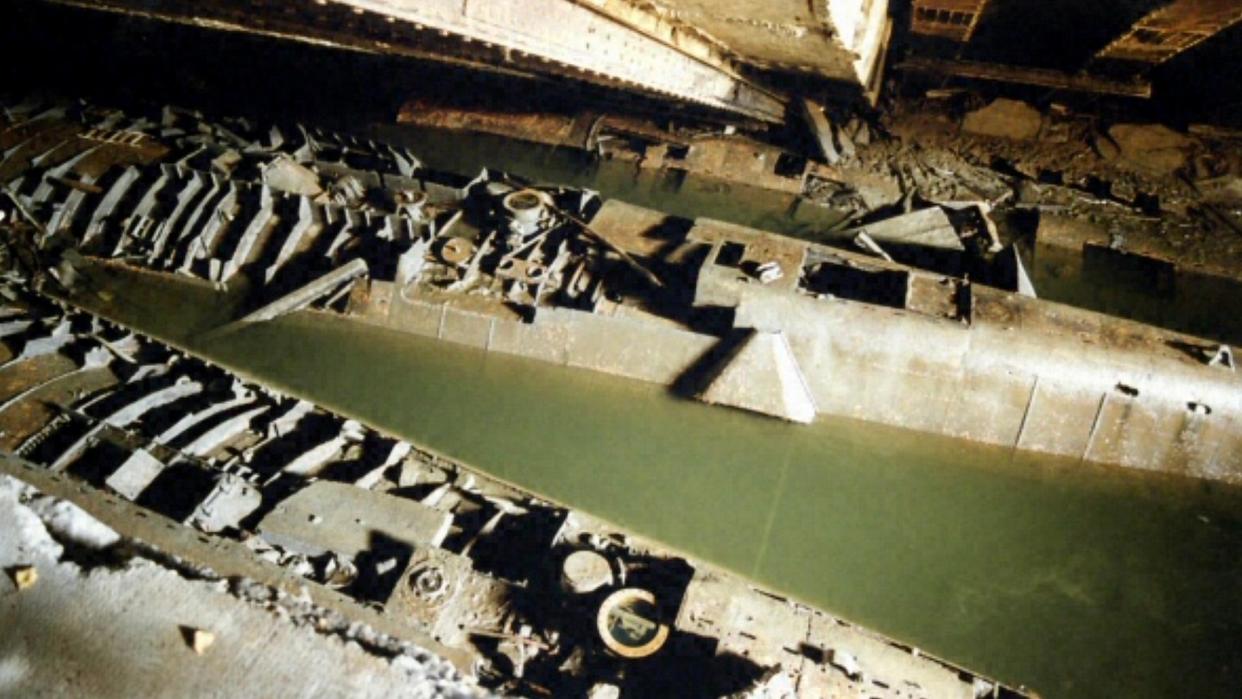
117,633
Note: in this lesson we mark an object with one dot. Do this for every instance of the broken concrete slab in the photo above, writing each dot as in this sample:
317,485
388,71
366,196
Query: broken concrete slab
1004,118
763,375
324,516
226,505
286,175
133,476
821,129
1152,148
929,227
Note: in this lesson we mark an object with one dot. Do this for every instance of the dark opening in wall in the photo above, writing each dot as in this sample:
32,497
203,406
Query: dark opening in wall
880,287
730,254
790,165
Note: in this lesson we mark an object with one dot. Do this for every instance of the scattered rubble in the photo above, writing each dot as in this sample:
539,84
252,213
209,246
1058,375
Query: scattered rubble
555,274
122,607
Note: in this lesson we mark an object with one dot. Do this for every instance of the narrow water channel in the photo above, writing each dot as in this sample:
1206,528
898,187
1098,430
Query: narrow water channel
1079,581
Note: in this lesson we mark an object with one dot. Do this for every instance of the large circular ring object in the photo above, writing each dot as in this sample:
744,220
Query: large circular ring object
456,251
526,205
629,624
585,571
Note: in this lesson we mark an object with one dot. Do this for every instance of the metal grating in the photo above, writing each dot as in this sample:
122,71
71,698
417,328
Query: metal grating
952,19
1170,30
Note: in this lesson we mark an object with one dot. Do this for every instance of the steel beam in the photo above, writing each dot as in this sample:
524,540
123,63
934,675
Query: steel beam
952,19
1029,76
1172,29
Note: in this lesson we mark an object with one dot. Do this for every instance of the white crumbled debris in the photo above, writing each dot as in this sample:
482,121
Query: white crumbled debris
25,577
200,640
67,521
30,534
43,520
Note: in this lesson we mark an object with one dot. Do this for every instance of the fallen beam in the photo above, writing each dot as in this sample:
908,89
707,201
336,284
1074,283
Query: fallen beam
297,299
308,293
1028,76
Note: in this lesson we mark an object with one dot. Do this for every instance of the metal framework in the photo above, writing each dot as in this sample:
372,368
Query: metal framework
1170,30
952,19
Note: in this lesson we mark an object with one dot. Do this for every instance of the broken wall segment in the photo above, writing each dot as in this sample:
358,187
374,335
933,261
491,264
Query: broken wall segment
635,51
1191,285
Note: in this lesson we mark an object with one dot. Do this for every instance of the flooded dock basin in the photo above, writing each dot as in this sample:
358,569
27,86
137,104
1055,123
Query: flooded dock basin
1073,579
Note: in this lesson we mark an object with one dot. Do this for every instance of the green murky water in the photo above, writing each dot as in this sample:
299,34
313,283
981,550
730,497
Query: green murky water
1077,580
1197,304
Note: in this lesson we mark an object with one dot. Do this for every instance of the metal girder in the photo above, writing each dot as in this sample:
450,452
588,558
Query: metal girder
1170,30
1029,76
540,38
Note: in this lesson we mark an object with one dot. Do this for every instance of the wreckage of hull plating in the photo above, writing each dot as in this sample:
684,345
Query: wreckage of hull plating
238,482
726,314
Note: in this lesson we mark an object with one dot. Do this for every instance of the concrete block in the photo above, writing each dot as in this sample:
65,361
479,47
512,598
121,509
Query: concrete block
1004,118
327,516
